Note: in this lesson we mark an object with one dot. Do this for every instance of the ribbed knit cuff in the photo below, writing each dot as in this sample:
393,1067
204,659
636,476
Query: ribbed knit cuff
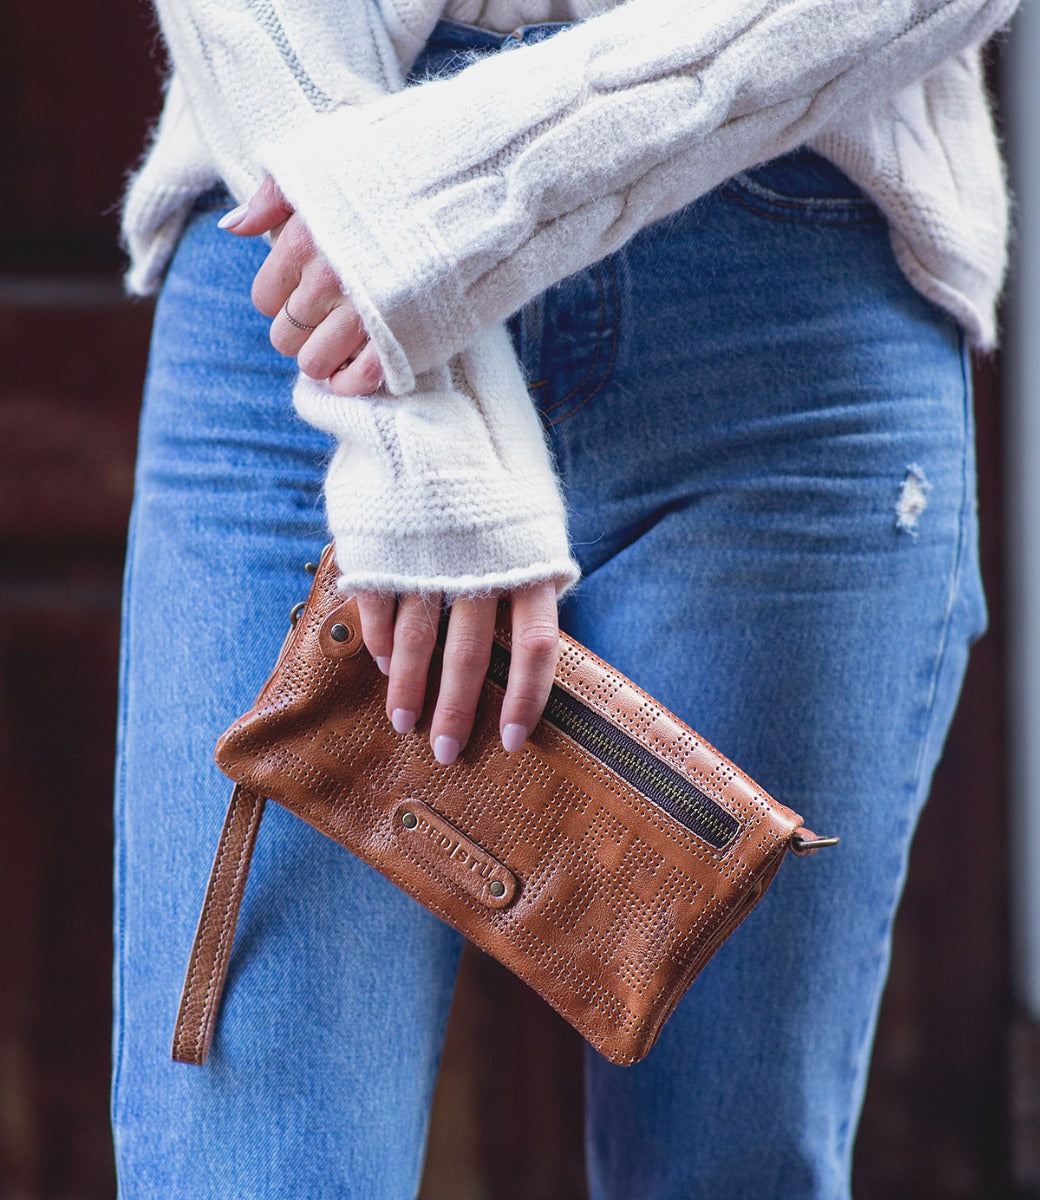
452,558
449,489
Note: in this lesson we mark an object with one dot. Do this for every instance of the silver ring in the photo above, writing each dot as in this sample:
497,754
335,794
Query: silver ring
293,321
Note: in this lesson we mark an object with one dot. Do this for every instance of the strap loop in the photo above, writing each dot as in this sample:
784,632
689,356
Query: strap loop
211,950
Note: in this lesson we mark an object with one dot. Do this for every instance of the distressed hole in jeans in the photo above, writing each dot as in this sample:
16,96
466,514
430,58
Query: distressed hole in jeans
913,500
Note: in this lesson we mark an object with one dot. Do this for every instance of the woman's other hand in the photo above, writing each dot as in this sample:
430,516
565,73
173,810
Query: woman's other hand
400,635
312,319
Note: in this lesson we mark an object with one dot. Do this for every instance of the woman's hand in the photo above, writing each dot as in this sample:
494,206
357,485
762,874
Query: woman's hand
400,635
313,319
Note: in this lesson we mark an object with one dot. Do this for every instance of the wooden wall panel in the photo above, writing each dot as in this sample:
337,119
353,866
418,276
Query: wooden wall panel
81,85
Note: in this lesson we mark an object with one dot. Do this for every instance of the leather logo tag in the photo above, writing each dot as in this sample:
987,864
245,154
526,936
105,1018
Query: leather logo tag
422,830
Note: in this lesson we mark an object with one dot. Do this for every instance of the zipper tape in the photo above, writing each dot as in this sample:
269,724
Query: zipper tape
636,765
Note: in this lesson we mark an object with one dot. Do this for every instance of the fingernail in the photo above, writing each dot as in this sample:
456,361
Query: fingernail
513,737
403,720
383,663
235,217
446,749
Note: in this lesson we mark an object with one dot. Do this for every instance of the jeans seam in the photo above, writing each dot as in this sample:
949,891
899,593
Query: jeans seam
610,363
955,579
119,890
861,1064
596,354
794,212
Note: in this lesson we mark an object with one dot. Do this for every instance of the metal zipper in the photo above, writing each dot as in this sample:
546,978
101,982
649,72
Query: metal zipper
635,764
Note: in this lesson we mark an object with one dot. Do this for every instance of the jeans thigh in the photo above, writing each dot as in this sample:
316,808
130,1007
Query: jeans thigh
765,437
310,1077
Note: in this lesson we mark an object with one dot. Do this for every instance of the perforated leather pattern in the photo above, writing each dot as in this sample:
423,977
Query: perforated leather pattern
617,904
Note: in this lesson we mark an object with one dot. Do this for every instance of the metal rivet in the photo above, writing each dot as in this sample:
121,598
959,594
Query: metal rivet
497,888
409,820
311,568
339,633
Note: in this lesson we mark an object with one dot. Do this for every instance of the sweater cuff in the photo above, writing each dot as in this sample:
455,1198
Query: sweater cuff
394,266
449,489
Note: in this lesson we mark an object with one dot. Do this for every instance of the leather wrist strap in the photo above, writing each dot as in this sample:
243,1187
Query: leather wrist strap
207,967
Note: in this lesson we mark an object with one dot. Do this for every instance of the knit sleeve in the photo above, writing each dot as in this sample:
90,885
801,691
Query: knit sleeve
448,469
449,204
451,489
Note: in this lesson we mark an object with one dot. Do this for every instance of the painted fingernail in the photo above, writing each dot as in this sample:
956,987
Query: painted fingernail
383,663
235,217
513,737
446,749
403,720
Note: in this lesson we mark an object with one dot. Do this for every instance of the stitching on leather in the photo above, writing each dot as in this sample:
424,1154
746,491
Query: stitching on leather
539,954
228,922
521,937
613,355
210,900
319,822
217,877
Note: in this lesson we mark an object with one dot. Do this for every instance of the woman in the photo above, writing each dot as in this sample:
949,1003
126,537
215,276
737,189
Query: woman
741,250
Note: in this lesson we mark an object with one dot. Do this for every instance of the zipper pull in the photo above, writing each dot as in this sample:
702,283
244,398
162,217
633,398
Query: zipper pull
804,842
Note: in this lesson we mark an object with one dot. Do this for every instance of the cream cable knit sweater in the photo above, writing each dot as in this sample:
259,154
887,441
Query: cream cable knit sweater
444,207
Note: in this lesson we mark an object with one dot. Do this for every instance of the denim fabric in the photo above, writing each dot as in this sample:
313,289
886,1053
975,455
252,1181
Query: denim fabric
765,437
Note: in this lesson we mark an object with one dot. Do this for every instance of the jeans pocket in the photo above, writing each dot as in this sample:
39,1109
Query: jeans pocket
579,344
802,186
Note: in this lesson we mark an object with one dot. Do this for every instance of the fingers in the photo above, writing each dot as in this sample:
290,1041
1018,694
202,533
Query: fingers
312,318
467,652
260,214
377,626
282,270
535,649
401,637
414,637
338,337
360,377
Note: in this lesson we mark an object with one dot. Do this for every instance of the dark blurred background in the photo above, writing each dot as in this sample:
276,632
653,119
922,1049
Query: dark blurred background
951,1110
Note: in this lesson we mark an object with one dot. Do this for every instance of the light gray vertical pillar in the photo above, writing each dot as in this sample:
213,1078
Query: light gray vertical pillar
1022,104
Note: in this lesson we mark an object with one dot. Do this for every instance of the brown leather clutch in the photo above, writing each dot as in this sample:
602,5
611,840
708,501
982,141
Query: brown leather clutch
604,863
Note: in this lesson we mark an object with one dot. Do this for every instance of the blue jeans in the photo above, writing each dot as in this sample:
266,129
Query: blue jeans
765,437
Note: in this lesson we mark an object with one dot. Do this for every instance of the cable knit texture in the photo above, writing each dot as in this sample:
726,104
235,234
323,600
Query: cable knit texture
446,205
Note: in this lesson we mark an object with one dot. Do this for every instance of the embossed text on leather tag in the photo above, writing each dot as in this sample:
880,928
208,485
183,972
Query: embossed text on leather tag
422,830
